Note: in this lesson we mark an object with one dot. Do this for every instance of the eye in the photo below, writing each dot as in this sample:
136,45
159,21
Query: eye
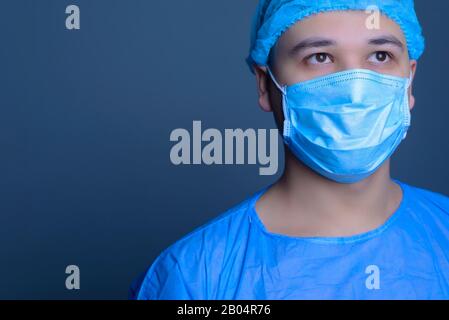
380,57
319,58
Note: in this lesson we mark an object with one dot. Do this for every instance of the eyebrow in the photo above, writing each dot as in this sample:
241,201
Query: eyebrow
317,42
388,39
311,43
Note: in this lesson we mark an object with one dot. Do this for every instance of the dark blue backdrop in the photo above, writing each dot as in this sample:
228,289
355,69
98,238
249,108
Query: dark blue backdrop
85,119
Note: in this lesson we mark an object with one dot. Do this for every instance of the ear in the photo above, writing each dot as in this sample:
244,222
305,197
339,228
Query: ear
262,88
411,97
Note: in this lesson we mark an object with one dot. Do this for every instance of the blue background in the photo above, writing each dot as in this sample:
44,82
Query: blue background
85,120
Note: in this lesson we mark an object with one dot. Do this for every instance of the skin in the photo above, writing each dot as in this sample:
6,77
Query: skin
302,203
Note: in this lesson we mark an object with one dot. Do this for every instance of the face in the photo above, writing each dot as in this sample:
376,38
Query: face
331,42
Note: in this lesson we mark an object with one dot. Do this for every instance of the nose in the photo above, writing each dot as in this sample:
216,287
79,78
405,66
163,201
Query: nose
348,62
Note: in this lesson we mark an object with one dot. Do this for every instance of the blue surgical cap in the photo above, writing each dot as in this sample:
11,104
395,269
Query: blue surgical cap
274,17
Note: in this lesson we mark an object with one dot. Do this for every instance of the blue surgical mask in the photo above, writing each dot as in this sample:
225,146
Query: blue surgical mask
345,125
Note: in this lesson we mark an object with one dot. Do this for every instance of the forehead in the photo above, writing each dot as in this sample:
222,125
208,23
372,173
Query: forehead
341,26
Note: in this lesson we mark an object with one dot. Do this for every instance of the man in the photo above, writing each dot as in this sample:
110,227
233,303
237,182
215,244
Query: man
335,225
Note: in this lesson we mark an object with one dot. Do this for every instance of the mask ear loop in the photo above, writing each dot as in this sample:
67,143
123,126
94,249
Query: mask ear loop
410,79
407,113
283,90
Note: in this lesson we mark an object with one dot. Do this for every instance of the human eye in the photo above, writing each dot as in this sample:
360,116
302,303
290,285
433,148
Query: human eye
319,58
380,57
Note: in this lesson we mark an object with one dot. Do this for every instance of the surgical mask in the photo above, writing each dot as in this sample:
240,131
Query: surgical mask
345,125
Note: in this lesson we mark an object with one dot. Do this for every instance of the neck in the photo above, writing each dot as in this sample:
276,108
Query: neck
314,205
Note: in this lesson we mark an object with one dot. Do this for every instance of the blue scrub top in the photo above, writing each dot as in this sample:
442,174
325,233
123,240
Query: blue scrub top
235,257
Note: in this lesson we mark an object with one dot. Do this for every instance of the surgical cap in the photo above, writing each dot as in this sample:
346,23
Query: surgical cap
274,17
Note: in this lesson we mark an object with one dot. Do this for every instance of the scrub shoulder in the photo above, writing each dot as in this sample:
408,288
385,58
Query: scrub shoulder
431,199
180,271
